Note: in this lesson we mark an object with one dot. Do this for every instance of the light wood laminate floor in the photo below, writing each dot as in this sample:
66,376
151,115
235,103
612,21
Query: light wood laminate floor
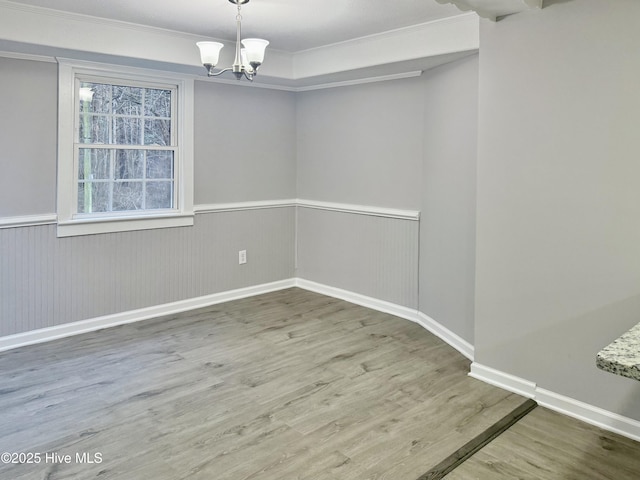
545,445
287,385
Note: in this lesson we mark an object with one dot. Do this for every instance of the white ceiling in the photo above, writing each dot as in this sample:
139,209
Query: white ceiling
290,25
314,43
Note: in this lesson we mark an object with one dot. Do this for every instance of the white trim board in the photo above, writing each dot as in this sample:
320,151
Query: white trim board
70,329
503,380
316,204
446,335
361,209
28,220
261,82
413,215
28,56
426,322
84,326
384,51
358,299
360,81
571,407
237,206
582,411
588,413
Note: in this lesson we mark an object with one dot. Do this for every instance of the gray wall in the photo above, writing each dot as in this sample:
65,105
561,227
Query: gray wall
557,254
365,254
448,201
245,144
47,281
361,144
410,144
28,137
399,144
558,242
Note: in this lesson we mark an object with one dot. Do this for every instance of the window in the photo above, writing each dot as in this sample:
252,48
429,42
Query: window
125,160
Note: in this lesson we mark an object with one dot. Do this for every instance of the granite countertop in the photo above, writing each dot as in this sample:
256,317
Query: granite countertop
622,357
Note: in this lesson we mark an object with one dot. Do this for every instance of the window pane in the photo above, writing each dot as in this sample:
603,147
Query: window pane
94,128
130,127
159,195
127,100
127,196
157,103
127,131
157,132
129,164
94,163
93,197
159,164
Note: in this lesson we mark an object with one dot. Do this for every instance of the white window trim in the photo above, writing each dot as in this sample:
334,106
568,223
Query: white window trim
71,224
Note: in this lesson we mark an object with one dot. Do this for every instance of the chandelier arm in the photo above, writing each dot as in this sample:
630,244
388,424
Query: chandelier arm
215,74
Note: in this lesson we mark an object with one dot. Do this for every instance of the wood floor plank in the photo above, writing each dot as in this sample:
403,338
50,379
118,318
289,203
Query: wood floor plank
458,457
287,385
545,445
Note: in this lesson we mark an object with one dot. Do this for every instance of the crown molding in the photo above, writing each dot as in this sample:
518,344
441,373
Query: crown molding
28,56
358,81
87,35
49,33
440,37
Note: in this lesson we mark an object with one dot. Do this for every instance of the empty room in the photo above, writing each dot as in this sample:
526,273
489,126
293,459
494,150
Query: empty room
320,240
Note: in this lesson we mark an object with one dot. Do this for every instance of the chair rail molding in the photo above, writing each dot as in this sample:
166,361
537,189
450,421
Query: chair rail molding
360,209
28,220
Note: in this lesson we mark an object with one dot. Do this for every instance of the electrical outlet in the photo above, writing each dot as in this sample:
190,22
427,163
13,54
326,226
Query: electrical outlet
242,257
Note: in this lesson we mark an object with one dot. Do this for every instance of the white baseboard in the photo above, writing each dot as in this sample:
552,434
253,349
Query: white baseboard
93,324
571,407
582,411
503,380
591,414
359,299
461,345
457,342
76,328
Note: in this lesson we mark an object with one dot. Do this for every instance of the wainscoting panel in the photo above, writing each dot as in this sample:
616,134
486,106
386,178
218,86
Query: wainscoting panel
368,254
47,281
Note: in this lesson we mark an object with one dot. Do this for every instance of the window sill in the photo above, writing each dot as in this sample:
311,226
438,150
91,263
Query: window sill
95,226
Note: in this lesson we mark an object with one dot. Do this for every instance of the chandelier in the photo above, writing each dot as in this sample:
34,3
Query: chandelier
248,59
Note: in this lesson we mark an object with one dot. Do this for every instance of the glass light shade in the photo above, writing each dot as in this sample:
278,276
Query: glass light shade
255,49
210,52
243,56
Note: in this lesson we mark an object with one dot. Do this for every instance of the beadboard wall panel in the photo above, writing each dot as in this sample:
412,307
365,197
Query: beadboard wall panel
367,254
47,281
